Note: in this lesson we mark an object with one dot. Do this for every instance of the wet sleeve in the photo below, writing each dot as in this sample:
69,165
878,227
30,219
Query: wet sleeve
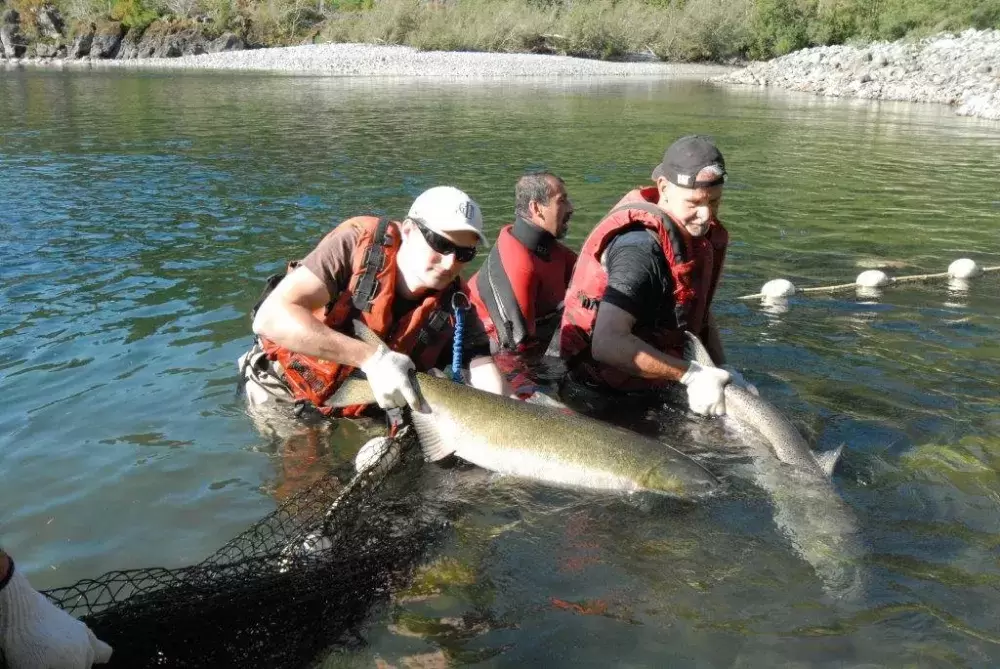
332,259
635,267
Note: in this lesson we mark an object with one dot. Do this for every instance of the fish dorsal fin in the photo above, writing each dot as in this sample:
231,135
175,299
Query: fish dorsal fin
828,461
431,442
695,350
365,334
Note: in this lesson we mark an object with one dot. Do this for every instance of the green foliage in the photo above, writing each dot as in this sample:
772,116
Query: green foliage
352,5
676,30
26,10
837,21
598,29
223,13
778,27
492,25
698,30
133,13
900,18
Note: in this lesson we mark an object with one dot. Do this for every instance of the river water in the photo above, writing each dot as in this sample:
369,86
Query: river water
140,213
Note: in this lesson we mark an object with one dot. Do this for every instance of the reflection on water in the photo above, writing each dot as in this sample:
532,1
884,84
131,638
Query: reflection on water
142,211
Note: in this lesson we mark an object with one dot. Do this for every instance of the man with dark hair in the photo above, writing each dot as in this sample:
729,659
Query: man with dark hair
34,633
647,273
519,290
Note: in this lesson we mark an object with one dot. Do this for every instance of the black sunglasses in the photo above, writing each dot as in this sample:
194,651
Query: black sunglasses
445,246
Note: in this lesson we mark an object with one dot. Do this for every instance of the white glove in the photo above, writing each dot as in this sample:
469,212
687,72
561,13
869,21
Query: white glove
35,634
704,389
737,379
388,374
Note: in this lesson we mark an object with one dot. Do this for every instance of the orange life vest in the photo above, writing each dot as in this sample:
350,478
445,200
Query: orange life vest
515,318
421,333
695,265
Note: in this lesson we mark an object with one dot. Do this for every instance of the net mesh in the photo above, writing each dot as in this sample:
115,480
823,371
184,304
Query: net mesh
283,593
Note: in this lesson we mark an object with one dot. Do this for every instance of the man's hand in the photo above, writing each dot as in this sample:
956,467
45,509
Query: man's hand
388,374
704,389
35,634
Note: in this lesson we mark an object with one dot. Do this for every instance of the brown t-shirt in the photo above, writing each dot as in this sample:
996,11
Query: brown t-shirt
332,261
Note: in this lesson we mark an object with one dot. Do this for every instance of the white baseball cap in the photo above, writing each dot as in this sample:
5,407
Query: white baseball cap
447,209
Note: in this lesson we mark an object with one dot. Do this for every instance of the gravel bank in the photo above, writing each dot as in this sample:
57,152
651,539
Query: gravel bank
959,70
396,61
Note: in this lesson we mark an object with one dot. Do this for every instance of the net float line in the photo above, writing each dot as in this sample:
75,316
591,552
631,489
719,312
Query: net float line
963,268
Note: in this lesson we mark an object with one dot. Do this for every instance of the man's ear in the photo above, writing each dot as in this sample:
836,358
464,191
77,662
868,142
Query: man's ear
662,184
534,209
406,227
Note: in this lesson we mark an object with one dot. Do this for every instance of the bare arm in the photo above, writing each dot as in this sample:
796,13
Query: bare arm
615,345
485,375
713,342
286,318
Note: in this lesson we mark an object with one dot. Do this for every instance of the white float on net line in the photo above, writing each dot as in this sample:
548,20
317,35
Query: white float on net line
372,452
872,278
778,288
869,281
964,268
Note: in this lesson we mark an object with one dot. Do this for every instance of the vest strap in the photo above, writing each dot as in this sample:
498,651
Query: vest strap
432,329
677,246
500,301
367,287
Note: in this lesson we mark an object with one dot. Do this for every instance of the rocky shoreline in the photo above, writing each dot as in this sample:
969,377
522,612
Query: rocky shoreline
181,45
369,60
962,71
197,44
53,39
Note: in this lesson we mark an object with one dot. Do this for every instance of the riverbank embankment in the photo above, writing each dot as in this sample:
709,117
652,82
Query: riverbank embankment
961,70
397,61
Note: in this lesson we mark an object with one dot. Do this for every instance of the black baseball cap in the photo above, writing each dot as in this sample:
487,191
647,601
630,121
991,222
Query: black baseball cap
685,158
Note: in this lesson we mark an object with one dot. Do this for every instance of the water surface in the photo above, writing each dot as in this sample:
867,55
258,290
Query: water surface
141,212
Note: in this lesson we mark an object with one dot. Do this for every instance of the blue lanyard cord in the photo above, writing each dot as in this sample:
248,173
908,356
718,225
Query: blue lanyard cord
459,305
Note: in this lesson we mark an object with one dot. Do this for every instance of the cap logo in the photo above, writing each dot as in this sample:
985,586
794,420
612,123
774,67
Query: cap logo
683,179
467,210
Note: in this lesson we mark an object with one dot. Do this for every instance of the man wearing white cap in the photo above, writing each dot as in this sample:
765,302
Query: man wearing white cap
399,278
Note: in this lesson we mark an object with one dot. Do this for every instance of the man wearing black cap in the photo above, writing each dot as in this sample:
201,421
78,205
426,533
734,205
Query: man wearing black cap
646,274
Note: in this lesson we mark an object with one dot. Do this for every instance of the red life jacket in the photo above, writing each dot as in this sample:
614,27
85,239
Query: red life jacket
695,264
422,333
518,288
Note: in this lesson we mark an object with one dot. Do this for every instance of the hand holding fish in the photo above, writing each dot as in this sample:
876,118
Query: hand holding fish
705,389
389,376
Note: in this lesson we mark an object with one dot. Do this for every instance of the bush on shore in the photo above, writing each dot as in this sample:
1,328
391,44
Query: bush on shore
675,30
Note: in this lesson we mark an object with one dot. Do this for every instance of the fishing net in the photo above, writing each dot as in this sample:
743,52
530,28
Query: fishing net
283,593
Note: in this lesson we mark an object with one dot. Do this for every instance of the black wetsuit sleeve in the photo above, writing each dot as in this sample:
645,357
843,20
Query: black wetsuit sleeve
637,274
